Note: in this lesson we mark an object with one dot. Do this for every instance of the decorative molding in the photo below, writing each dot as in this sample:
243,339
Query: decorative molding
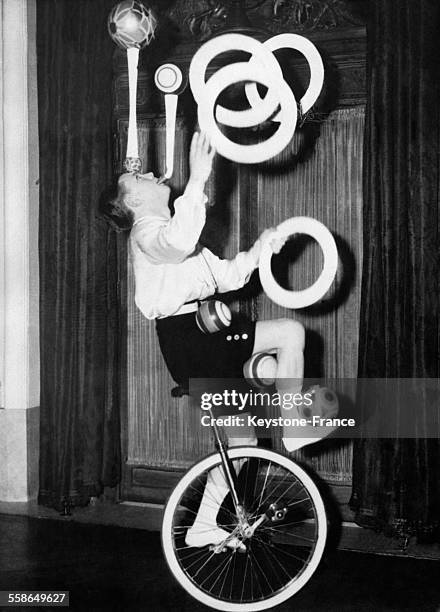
205,23
311,15
201,19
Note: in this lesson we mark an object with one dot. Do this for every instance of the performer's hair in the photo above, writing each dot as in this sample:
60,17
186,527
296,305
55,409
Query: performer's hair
113,209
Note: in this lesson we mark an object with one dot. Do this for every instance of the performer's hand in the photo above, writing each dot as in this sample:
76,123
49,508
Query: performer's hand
275,240
200,158
276,243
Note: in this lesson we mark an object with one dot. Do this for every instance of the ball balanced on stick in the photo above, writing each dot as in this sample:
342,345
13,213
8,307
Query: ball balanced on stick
131,26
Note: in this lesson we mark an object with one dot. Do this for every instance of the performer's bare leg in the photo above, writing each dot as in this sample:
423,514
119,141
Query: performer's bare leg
205,530
285,338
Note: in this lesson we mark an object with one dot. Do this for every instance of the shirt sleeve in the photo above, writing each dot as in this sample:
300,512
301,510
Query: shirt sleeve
232,274
172,240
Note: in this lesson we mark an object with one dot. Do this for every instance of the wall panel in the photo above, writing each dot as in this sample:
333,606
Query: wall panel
324,183
328,187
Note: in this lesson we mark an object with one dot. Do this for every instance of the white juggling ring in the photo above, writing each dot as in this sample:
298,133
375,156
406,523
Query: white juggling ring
306,297
262,68
247,154
310,52
235,42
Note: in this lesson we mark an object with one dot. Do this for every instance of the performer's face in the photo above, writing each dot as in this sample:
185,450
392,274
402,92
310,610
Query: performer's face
141,188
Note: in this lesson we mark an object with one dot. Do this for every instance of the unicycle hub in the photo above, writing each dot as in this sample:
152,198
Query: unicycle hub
276,513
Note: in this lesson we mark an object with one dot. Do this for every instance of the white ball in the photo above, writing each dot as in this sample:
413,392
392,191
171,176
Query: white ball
131,24
325,403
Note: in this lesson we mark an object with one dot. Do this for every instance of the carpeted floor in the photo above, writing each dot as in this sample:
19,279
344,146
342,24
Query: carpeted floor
122,569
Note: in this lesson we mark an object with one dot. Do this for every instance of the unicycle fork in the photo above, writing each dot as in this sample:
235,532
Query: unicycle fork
230,476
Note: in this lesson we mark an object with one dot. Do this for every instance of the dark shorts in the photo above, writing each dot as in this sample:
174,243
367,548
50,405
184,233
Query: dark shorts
189,353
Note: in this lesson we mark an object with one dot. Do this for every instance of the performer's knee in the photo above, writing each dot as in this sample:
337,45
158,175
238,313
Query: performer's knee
241,435
292,333
250,441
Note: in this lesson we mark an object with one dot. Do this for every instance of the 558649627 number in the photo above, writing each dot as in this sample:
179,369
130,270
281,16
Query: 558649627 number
34,598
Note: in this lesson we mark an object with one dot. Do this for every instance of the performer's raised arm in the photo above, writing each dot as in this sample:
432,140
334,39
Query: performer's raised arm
165,239
232,274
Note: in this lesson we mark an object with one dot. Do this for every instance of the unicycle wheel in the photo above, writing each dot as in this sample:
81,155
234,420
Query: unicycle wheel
283,506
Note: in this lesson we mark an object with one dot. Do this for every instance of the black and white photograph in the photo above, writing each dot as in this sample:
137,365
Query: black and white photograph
219,298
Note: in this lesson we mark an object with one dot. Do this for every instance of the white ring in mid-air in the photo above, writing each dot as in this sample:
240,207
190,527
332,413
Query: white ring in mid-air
255,153
310,52
300,299
267,64
262,68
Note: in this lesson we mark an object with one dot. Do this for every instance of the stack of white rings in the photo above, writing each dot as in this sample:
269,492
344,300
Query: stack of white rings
262,68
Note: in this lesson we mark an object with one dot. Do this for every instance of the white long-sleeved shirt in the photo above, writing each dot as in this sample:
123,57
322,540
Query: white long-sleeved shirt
170,268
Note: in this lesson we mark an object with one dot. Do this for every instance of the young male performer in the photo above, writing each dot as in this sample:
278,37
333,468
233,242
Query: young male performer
172,273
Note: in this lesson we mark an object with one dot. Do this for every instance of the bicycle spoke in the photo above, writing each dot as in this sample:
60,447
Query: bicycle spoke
202,552
283,551
291,535
246,480
284,493
244,578
270,553
233,573
273,491
299,501
214,571
259,503
180,529
262,572
265,481
282,525
195,552
226,573
256,479
206,562
256,575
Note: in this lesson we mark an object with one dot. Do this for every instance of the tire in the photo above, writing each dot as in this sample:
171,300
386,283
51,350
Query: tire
280,556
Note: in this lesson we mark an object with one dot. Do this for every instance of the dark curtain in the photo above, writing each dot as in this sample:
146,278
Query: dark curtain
396,482
79,452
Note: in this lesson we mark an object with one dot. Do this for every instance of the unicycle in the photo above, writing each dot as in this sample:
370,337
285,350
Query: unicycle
273,510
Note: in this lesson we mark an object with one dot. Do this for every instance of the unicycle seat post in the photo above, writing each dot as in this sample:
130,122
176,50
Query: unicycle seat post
218,438
228,467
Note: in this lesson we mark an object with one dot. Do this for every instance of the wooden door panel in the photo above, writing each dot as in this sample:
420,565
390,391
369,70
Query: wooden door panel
328,187
163,435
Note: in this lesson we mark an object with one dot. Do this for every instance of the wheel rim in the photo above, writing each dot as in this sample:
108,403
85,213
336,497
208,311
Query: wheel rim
280,557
